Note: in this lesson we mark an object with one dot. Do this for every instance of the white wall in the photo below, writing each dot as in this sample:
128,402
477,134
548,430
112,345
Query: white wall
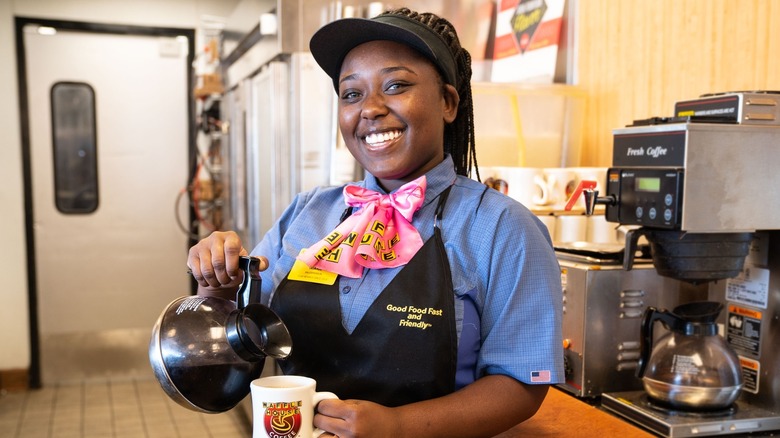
14,326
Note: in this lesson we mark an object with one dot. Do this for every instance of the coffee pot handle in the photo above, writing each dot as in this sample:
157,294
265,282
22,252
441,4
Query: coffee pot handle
651,315
249,291
646,339
632,244
271,336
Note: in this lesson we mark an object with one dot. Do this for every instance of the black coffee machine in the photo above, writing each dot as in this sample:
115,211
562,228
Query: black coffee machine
702,187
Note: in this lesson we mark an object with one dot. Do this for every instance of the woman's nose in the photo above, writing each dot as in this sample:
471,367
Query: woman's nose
373,106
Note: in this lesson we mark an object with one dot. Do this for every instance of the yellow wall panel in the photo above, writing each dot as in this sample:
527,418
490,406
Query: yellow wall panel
637,57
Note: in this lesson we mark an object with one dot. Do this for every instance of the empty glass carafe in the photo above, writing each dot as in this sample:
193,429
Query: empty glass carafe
690,367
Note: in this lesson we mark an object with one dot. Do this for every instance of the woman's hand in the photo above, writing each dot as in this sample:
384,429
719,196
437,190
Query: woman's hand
356,418
214,263
487,407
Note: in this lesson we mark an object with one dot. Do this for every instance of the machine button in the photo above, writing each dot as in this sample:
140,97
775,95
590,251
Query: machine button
651,213
668,199
639,212
667,214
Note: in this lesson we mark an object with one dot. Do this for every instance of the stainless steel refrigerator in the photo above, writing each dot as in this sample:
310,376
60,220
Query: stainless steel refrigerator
279,108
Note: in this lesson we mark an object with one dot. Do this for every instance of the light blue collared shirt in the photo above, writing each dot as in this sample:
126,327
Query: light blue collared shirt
506,278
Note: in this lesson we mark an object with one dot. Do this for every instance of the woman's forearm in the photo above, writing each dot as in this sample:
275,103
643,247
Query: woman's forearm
484,408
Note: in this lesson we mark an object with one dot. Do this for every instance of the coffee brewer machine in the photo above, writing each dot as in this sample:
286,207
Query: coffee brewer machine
703,186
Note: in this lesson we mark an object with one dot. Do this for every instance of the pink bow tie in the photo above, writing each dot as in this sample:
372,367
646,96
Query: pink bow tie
379,235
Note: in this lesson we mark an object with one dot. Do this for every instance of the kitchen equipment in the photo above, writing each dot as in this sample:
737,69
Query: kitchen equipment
750,317
740,418
744,107
602,311
714,161
691,367
699,187
694,257
205,351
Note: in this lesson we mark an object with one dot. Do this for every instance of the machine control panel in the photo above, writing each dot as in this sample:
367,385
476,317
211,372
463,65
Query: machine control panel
645,196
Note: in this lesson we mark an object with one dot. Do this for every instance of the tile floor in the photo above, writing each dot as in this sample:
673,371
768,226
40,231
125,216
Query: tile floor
101,385
118,407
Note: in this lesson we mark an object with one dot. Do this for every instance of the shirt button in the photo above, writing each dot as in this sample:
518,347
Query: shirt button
345,290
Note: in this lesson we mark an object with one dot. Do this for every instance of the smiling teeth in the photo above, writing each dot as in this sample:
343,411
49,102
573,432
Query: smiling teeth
382,137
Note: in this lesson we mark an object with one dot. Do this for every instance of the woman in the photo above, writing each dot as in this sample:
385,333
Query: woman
434,308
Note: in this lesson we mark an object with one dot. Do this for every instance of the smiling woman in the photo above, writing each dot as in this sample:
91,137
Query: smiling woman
428,35
392,111
419,316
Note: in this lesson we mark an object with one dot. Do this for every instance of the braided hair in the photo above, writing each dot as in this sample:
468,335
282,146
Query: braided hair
459,139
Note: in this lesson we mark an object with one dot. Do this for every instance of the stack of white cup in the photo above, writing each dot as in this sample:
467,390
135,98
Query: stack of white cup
549,189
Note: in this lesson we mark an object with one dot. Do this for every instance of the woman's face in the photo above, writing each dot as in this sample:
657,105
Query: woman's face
392,111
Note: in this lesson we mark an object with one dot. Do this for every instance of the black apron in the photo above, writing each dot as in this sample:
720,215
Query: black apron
404,349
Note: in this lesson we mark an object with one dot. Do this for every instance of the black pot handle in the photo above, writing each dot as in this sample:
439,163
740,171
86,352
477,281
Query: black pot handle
271,335
651,315
645,337
249,291
632,239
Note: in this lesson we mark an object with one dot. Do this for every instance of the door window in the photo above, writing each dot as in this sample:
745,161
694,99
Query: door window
75,147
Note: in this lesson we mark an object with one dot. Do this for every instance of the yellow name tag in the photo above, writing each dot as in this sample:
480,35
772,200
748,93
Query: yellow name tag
301,272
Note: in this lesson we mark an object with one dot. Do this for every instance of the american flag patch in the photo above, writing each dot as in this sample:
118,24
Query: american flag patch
540,376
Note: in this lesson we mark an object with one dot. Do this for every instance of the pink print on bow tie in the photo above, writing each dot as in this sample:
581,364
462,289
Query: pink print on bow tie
379,235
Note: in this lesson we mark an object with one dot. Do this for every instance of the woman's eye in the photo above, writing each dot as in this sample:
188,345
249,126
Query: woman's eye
350,95
394,86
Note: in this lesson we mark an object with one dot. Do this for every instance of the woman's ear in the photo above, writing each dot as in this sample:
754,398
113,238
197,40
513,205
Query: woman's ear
451,100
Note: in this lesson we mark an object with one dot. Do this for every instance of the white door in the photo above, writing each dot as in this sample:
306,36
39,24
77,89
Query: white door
104,276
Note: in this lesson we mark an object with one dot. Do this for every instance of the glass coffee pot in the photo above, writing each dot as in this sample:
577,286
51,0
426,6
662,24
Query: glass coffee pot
691,367
205,351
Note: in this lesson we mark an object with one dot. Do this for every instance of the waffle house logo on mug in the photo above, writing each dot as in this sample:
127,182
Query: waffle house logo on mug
282,419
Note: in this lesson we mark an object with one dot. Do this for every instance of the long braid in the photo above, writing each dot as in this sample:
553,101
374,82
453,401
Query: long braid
459,139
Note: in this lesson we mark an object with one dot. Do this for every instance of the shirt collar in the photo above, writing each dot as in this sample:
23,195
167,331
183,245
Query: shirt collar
438,179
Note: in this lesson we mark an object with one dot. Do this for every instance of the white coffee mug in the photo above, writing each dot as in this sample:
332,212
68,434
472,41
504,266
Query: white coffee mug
549,221
526,185
561,182
601,231
283,406
598,174
571,228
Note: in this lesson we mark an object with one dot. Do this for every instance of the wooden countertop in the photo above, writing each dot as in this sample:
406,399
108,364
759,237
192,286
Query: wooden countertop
563,415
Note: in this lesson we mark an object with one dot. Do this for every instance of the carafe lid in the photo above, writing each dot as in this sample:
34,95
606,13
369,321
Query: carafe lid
700,312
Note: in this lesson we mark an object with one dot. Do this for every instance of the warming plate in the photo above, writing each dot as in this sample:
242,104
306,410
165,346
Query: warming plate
740,419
